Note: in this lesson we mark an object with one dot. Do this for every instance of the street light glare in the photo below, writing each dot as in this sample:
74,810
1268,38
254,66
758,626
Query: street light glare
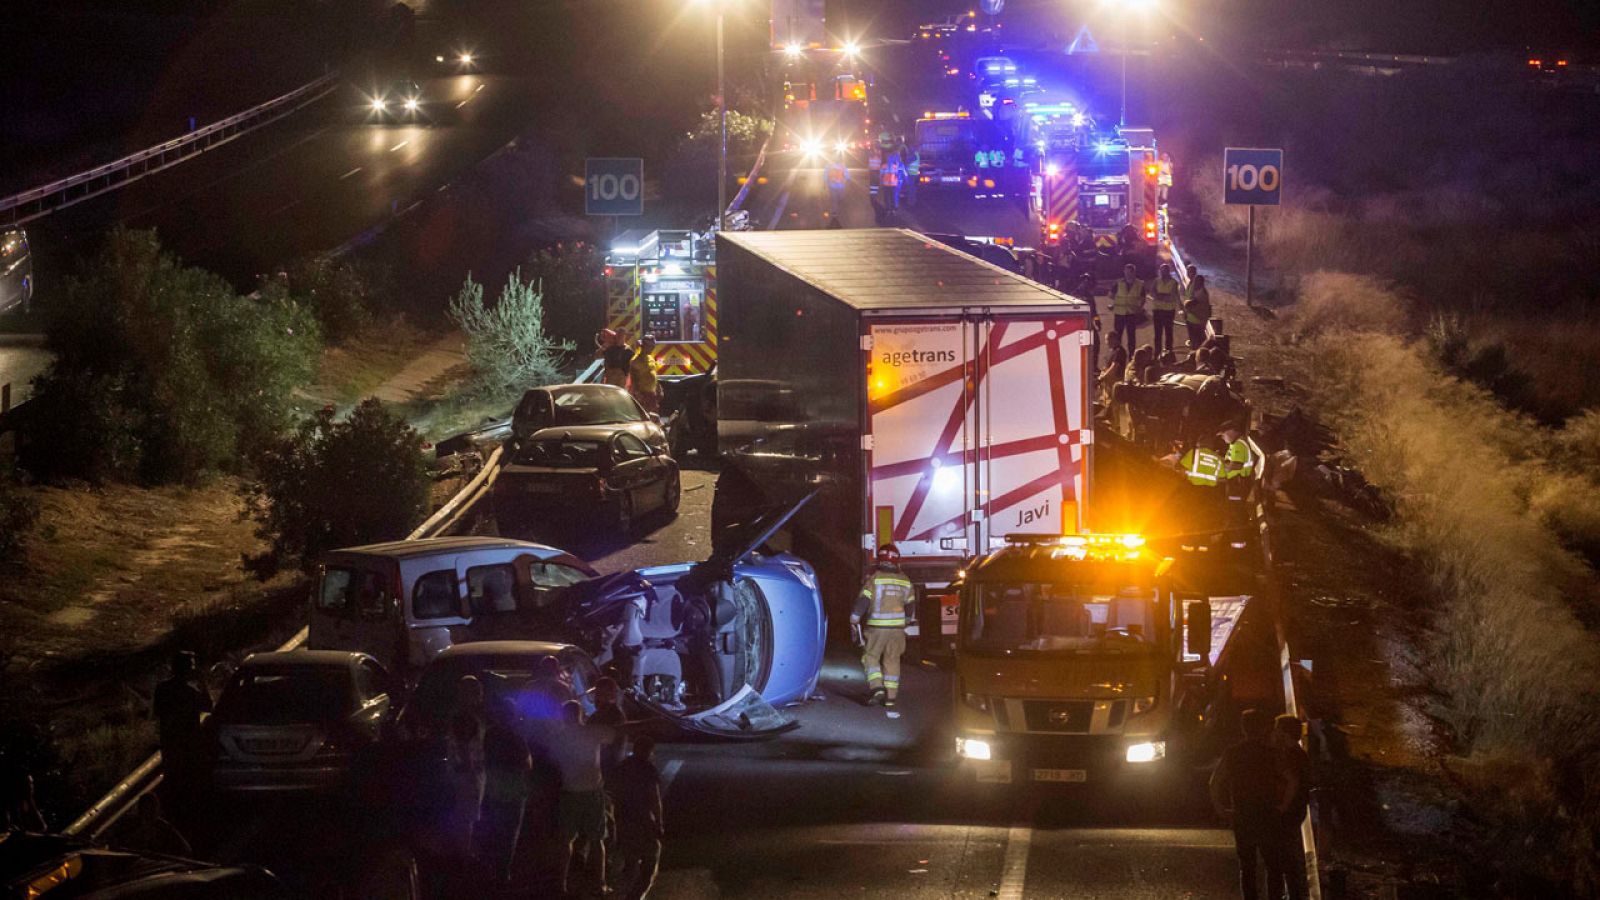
851,48
793,50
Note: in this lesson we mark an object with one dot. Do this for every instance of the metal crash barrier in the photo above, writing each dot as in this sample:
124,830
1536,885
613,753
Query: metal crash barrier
40,201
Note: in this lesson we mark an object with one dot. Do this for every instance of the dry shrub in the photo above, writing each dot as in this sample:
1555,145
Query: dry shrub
1522,673
1335,303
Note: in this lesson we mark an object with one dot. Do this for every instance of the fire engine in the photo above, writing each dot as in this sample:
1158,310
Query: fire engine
1096,192
664,284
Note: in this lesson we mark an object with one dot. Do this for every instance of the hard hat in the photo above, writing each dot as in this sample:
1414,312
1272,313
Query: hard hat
889,553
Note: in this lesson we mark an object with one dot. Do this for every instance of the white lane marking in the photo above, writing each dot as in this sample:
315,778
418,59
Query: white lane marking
1014,871
349,173
399,145
668,773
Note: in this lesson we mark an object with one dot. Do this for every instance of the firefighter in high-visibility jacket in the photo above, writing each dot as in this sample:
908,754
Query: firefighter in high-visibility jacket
1127,304
1165,298
879,619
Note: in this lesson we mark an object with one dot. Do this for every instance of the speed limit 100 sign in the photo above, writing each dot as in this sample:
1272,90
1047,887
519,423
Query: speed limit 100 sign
1251,175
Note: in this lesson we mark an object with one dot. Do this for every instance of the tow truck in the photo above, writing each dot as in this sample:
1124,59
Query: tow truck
1091,658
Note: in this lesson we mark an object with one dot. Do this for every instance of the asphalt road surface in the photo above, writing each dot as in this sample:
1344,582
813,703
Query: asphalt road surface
854,803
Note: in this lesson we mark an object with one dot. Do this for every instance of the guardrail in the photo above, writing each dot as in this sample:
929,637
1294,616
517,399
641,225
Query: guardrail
147,777
40,201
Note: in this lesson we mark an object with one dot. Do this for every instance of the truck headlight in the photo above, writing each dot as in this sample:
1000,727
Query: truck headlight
972,748
412,104
379,104
1148,751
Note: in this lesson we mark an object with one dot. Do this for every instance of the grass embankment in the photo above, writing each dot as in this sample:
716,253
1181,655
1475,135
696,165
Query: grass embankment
1484,499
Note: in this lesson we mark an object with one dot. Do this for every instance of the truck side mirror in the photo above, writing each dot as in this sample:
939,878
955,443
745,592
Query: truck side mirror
1197,631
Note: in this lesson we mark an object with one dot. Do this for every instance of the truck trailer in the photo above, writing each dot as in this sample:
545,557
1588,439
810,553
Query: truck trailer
930,399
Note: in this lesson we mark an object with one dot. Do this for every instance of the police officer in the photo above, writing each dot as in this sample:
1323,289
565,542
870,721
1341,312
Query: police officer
880,611
1127,303
1164,301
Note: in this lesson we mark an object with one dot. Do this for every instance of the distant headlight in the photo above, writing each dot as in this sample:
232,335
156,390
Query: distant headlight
379,104
972,748
1149,751
413,104
466,59
810,146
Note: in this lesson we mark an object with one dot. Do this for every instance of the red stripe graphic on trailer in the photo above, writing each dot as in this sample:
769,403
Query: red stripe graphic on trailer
1061,435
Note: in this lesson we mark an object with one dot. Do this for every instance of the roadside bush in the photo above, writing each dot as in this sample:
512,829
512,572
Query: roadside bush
334,484
507,345
17,514
162,372
690,173
339,293
1475,506
571,277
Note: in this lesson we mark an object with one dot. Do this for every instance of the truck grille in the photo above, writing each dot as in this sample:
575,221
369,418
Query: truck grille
1061,716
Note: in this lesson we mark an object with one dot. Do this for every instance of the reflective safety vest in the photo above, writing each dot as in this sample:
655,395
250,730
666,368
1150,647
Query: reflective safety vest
1166,294
1239,452
1202,467
982,159
914,164
1199,316
887,593
1126,298
997,158
837,175
885,141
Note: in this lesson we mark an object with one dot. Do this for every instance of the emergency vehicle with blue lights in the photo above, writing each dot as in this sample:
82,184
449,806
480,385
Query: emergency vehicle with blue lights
1094,189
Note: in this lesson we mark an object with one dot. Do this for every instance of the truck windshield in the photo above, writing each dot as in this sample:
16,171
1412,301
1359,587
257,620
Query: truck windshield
1044,617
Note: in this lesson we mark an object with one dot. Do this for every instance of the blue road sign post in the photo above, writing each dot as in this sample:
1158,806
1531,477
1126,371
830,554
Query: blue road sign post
1253,176
613,186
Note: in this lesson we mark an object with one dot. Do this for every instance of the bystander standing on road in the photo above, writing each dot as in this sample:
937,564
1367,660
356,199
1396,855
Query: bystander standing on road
640,826
1196,308
20,808
582,807
1165,298
615,355
1252,789
642,378
837,176
180,704
506,765
1286,732
464,758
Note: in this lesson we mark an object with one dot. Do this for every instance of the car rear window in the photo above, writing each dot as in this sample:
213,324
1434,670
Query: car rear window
563,454
278,697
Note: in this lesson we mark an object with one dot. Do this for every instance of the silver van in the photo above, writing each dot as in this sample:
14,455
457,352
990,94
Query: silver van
16,271
405,601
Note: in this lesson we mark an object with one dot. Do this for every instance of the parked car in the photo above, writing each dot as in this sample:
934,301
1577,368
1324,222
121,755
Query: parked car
295,720
508,671
55,867
401,102
404,601
16,271
598,473
569,405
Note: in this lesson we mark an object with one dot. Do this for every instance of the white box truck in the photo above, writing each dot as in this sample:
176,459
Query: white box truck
930,399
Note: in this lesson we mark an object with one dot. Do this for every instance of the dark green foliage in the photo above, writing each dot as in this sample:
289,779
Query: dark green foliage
162,372
334,484
572,281
338,293
17,514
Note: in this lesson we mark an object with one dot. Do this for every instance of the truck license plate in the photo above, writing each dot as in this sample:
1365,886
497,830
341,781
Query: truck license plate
1077,775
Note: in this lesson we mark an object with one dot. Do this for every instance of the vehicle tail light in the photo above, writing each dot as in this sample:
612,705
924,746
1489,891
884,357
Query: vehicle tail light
601,484
1149,229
